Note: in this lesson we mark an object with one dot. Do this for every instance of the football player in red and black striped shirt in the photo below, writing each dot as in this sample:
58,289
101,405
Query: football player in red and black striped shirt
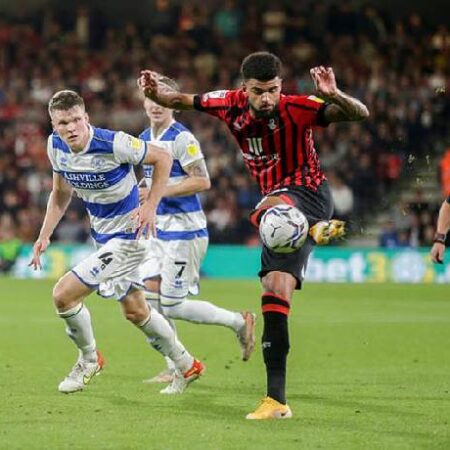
274,133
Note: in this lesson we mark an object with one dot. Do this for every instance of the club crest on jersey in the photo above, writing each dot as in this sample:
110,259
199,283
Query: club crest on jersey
272,124
98,162
63,161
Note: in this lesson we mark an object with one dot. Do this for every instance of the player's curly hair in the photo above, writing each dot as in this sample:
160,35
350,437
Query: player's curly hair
262,66
64,100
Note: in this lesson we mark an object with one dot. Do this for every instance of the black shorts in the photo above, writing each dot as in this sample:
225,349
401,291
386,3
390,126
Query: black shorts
316,206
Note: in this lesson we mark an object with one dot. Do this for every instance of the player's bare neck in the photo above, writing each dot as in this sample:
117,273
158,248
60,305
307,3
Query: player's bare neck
77,149
158,129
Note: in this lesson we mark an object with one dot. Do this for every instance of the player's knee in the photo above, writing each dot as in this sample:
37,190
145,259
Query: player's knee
172,312
136,314
61,297
261,208
281,284
170,308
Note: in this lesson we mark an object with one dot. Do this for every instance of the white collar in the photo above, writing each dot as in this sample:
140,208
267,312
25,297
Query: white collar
152,138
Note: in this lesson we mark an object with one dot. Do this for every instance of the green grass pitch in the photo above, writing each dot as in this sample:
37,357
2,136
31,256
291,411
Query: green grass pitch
369,367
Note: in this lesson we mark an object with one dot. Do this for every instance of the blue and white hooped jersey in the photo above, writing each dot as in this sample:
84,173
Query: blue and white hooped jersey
102,175
177,218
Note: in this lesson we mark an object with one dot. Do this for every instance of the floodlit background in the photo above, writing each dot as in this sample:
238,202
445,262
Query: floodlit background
388,175
369,362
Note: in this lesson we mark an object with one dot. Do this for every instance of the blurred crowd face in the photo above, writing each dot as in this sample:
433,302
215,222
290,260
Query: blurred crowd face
72,125
263,96
159,116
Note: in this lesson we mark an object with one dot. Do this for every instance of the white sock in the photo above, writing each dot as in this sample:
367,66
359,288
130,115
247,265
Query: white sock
163,339
152,299
79,329
170,363
200,311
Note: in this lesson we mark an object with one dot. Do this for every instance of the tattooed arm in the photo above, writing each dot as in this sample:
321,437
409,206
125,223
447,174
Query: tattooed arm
342,107
196,181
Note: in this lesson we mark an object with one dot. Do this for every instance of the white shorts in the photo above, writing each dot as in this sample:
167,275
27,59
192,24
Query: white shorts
178,265
114,269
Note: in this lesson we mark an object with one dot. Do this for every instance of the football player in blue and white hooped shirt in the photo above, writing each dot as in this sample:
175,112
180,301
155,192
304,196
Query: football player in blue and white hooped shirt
98,165
173,261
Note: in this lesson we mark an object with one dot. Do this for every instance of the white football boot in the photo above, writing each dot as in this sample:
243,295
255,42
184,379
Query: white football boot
182,380
81,374
246,335
166,376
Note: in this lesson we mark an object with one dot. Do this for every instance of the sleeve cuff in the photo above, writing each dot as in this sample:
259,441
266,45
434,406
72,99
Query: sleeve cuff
198,102
144,155
321,121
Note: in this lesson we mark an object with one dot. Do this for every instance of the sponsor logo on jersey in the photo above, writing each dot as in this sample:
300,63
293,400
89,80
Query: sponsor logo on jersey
215,94
134,143
192,149
86,180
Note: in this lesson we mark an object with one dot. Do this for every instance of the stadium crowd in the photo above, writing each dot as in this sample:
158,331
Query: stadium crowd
399,68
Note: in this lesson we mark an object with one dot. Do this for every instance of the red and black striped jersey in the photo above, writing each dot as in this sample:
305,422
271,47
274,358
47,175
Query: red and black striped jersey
278,150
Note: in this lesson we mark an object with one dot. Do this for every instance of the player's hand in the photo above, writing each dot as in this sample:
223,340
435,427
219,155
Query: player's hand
148,83
143,194
39,247
437,252
324,81
145,220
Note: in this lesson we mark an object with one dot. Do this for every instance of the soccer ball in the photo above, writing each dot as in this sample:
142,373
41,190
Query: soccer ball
283,229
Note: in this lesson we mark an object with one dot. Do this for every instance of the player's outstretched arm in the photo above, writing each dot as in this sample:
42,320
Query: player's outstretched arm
162,94
442,227
343,107
57,204
145,214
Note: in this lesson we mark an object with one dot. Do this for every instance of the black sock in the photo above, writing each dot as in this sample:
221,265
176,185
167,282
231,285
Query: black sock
275,344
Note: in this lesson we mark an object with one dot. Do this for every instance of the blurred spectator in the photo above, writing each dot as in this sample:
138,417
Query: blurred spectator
164,18
71,229
227,20
342,197
10,244
389,236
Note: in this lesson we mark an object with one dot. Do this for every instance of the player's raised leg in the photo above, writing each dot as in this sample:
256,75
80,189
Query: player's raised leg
175,281
322,232
68,295
163,339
